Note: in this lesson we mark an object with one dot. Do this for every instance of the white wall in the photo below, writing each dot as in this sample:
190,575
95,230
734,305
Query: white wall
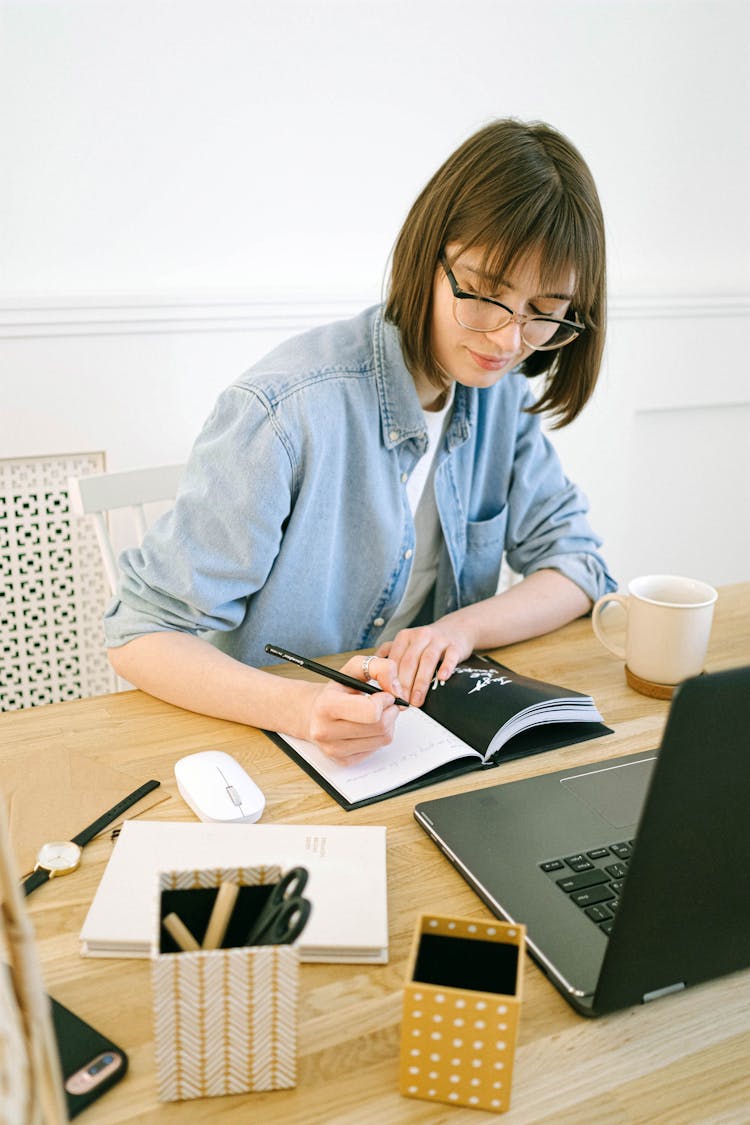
187,181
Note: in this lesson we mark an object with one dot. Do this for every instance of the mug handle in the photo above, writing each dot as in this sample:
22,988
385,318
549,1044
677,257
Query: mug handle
597,627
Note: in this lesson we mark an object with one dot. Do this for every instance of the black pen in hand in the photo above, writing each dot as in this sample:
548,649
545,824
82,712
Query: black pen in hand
329,673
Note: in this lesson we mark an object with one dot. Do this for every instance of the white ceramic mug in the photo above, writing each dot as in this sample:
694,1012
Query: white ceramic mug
668,626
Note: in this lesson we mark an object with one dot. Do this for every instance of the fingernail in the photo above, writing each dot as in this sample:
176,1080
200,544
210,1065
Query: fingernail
416,698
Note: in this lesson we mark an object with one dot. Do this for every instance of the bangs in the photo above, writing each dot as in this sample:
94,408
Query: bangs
548,230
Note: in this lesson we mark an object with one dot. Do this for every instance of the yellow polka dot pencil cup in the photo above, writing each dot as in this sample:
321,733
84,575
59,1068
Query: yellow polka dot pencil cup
225,1013
462,1006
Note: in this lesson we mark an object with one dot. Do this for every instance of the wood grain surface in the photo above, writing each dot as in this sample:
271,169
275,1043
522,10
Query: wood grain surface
682,1060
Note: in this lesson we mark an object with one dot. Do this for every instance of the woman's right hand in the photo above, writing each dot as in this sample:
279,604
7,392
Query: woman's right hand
347,724
189,672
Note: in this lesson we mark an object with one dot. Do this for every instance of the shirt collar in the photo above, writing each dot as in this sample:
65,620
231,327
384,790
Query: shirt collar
401,413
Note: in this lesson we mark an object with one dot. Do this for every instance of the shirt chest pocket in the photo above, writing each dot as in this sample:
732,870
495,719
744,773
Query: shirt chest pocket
480,573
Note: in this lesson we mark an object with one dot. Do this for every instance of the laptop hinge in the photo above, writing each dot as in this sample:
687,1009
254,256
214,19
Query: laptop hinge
659,992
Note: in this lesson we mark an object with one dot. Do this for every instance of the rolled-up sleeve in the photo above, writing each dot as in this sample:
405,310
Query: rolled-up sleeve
201,561
547,526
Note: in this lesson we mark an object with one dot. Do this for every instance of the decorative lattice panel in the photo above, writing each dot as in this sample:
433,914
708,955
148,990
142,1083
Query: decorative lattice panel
52,586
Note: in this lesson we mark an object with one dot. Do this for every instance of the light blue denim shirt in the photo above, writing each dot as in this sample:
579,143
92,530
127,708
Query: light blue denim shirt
292,523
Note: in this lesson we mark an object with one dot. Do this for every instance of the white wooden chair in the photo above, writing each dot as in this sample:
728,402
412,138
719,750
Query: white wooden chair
101,493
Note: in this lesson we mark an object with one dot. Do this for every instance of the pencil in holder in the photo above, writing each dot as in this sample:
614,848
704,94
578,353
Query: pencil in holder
225,1018
461,1010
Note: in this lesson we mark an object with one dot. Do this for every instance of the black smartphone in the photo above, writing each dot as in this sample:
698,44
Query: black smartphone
90,1062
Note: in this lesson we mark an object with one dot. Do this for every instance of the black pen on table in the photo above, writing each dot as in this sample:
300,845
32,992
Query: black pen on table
329,673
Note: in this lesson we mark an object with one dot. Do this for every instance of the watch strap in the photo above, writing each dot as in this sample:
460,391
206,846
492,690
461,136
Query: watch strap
113,813
41,874
35,879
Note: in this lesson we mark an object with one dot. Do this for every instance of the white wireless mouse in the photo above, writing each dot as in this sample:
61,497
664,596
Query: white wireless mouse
217,788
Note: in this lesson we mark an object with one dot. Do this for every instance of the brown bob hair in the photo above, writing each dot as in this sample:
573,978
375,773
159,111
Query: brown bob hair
511,189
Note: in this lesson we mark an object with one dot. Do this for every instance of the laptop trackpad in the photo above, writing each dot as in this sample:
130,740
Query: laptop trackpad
614,792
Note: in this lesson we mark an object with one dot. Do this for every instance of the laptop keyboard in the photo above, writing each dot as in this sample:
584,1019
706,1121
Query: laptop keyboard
593,880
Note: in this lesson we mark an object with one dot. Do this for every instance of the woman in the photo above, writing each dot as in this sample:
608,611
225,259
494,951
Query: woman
358,487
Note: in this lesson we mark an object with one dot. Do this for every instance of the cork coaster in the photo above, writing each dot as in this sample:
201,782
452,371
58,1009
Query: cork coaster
648,687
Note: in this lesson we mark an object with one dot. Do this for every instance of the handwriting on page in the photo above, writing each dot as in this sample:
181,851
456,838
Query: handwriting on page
317,845
419,745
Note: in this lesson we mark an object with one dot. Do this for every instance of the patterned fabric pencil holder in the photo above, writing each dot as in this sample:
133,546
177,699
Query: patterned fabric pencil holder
462,1005
225,1018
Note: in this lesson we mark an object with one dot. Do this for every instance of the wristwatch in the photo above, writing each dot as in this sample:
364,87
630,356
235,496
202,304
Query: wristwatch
63,856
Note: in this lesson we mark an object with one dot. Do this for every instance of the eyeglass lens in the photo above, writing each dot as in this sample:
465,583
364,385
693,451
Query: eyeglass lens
539,334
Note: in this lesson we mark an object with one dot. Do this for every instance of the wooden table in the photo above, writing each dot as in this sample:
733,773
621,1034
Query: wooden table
683,1059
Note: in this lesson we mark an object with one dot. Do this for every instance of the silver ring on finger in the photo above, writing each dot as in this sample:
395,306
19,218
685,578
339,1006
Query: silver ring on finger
366,661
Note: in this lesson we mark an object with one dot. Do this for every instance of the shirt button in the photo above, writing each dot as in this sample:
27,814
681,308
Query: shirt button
404,478
379,622
408,554
393,435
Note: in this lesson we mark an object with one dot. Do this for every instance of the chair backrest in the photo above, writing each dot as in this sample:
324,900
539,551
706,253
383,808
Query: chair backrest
100,493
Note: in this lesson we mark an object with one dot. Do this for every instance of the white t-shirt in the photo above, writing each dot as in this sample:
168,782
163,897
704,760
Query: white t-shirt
420,492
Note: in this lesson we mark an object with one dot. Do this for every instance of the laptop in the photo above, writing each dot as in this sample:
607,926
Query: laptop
632,875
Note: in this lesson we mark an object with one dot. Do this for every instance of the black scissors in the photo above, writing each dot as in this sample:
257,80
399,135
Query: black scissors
285,913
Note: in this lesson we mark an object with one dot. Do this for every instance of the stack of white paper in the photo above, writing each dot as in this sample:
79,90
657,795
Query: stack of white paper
347,885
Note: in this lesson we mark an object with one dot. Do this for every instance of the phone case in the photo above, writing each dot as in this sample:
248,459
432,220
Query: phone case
78,1043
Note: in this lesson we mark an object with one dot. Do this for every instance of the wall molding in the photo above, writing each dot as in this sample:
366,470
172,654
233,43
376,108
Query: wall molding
170,314
138,315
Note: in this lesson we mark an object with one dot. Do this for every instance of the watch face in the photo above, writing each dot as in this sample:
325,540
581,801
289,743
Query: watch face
59,857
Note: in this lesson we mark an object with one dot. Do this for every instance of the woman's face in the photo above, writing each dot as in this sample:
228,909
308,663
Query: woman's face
480,359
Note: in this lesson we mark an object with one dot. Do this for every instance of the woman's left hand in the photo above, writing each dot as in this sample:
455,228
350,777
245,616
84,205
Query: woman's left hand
424,652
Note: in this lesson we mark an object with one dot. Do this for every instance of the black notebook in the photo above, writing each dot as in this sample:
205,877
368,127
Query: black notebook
485,714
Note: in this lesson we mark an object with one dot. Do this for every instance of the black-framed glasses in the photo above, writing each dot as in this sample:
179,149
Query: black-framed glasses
483,314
